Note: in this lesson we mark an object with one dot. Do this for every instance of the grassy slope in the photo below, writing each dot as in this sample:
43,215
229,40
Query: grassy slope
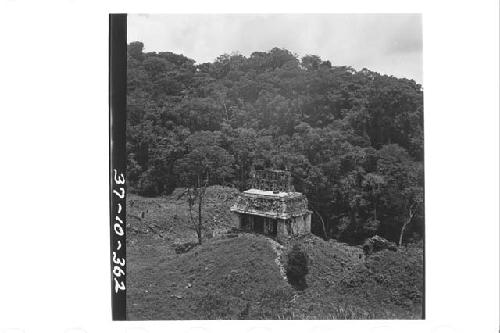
237,278
343,283
168,217
224,278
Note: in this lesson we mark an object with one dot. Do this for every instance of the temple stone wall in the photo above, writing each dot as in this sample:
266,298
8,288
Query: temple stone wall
268,226
298,225
301,224
272,207
248,222
282,232
306,225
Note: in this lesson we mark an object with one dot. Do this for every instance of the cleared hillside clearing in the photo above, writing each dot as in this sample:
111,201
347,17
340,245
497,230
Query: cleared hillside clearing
238,278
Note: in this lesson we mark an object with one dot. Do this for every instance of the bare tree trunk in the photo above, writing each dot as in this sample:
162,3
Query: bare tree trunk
191,199
407,222
322,223
225,109
201,194
198,233
403,228
198,229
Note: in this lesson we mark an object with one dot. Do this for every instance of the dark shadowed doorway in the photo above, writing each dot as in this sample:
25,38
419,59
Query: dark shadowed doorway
258,224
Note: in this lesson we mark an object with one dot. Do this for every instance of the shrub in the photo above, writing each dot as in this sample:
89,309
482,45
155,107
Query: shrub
147,186
376,244
297,267
184,247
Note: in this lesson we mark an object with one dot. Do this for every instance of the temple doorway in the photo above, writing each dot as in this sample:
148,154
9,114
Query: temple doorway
258,224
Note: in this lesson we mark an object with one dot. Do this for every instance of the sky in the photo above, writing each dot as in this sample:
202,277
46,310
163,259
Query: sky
385,43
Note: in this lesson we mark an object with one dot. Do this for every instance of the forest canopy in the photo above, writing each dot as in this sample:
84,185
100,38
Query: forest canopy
353,140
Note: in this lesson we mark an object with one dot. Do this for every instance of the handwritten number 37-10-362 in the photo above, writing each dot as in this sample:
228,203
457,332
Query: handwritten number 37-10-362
119,263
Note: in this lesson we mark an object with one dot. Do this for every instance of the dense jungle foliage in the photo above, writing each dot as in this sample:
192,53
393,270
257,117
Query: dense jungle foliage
353,140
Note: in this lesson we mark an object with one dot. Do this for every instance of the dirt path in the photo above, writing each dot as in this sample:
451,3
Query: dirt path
278,249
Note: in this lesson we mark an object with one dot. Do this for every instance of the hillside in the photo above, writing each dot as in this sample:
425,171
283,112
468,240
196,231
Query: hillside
236,276
354,138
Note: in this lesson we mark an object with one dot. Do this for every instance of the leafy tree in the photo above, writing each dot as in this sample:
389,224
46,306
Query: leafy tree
413,198
204,164
404,190
134,50
373,186
353,140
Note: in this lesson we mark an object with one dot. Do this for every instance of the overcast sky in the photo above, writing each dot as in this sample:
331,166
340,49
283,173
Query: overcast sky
385,43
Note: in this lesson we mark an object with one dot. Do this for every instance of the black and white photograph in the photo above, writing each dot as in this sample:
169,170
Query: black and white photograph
253,167
274,167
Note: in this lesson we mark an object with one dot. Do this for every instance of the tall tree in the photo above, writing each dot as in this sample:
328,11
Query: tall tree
353,140
205,163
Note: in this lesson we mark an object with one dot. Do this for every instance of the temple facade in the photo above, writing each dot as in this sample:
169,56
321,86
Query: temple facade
272,207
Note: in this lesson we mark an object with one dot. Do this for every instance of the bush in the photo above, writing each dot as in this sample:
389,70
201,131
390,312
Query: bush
184,247
297,267
389,277
376,244
147,186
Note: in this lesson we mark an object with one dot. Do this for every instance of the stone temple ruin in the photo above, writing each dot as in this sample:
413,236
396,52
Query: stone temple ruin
272,207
